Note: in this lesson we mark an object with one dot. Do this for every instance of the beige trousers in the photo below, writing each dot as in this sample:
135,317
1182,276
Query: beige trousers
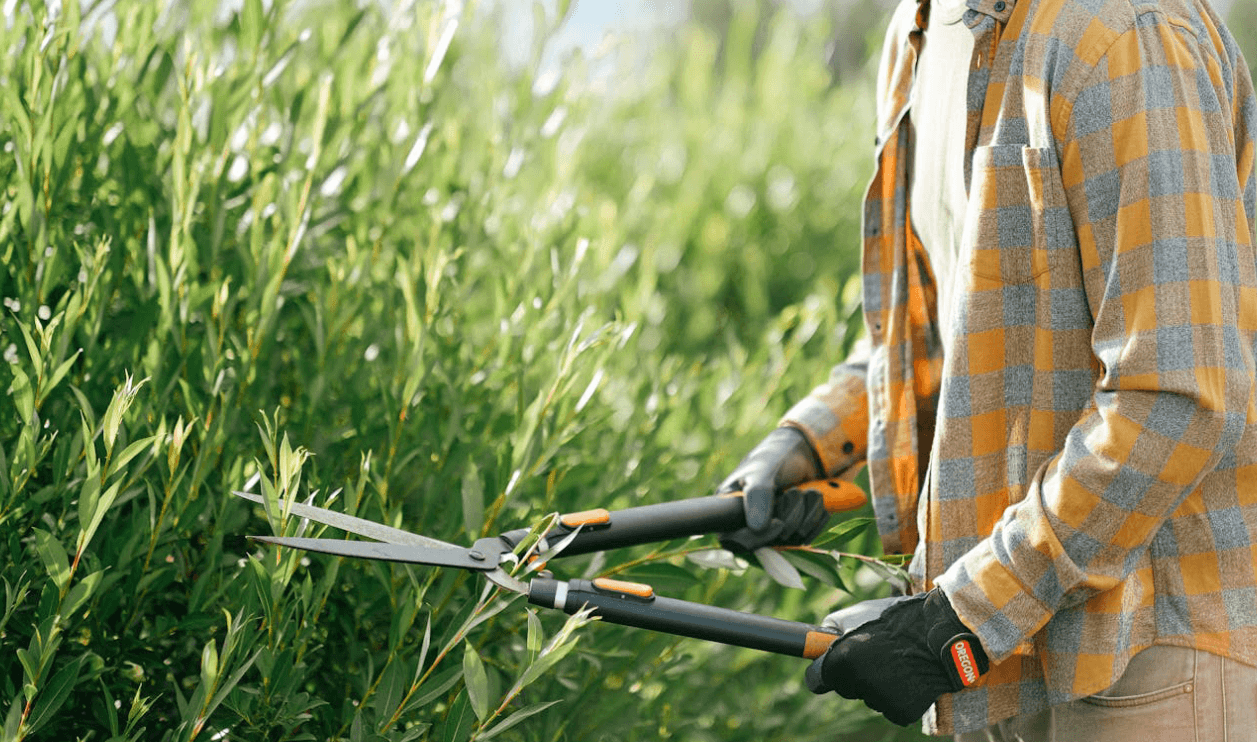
1167,694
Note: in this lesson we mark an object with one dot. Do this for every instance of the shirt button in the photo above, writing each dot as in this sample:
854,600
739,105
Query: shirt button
1000,5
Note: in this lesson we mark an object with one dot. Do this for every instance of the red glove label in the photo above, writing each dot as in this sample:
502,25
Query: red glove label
966,665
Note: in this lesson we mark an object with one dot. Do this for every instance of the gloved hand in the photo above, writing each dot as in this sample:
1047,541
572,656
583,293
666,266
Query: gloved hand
856,615
784,458
902,660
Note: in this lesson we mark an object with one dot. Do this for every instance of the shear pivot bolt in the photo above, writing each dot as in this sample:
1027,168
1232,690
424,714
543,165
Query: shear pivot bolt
477,556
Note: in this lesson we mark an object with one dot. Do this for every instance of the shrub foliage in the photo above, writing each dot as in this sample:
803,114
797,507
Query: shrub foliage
344,255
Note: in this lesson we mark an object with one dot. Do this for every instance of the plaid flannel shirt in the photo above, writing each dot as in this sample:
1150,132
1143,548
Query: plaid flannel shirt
1079,474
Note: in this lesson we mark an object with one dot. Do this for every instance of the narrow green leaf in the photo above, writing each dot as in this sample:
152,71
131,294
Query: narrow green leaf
29,664
822,567
89,496
403,619
23,395
268,440
131,452
13,718
439,687
102,507
89,450
285,467
85,407
488,613
59,374
54,694
140,705
535,636
53,555
516,718
477,681
209,665
423,649
279,66
458,721
473,500
118,406
6,485
13,597
181,701
778,568
231,683
109,709
842,532
390,689
895,575
80,593
548,659
251,24
32,349
14,107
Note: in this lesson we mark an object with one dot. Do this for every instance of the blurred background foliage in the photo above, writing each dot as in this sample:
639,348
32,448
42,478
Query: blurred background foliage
358,254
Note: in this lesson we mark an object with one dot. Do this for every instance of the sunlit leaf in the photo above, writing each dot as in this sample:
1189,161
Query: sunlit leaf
53,555
472,491
477,681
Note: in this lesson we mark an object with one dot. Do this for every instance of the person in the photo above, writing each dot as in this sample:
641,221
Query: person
1056,399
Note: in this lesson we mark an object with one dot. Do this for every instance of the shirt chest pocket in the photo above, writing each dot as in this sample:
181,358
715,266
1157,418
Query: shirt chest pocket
1017,225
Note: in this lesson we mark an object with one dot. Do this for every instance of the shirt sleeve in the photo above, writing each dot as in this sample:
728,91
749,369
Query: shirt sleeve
835,416
1157,170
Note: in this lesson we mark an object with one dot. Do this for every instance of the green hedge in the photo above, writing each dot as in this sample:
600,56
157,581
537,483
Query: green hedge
326,254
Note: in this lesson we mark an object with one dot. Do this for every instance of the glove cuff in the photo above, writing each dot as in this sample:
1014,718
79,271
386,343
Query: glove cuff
963,659
803,444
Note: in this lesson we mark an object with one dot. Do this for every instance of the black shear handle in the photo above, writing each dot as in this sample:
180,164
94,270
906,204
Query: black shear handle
602,530
634,604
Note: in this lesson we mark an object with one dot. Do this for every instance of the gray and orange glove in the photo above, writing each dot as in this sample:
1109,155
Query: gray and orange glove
783,459
898,655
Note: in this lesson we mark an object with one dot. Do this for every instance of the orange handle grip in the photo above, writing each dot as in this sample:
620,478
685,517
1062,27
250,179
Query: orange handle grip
840,495
817,643
595,517
636,589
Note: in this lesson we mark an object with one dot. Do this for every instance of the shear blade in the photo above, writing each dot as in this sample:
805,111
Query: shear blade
350,524
405,553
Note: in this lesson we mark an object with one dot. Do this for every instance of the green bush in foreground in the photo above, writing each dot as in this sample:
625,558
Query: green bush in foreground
332,256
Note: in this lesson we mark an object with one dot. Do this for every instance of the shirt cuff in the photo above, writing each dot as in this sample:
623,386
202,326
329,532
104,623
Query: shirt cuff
992,600
835,420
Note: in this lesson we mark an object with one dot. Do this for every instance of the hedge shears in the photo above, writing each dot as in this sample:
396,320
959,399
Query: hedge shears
615,601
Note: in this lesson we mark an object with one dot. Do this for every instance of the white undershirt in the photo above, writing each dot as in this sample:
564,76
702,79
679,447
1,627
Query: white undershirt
939,116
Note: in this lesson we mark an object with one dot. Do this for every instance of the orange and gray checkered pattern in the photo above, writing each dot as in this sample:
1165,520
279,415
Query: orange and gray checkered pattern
1087,452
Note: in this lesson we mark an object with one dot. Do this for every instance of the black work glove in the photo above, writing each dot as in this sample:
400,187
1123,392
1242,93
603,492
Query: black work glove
901,662
783,459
